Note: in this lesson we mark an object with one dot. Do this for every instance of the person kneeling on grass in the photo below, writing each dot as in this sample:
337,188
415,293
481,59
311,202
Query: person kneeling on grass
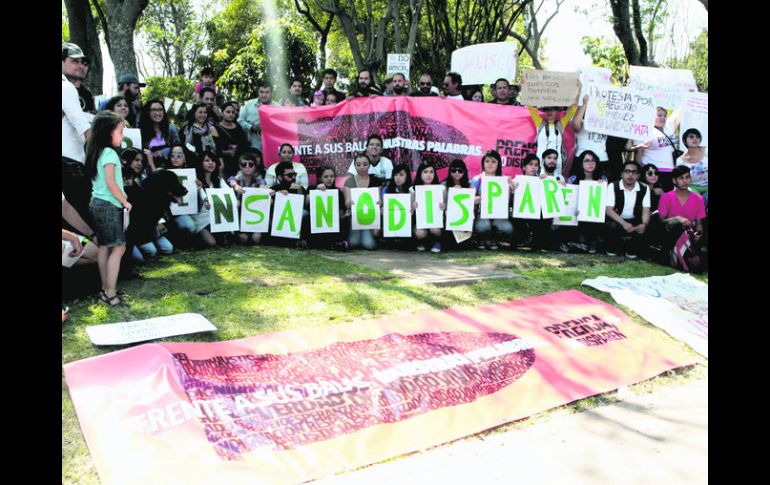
628,212
286,183
325,177
362,180
491,166
426,175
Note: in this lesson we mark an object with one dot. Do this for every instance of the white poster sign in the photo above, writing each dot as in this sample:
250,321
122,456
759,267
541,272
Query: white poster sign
223,213
677,303
365,212
397,215
132,137
168,103
324,211
592,201
287,215
569,194
552,200
459,211
255,210
189,203
141,330
668,87
399,63
592,75
695,114
620,112
486,63
495,197
528,197
428,213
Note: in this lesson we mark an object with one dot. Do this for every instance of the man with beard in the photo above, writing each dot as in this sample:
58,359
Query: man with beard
248,118
365,86
76,77
130,88
453,82
399,85
550,158
209,98
295,94
425,85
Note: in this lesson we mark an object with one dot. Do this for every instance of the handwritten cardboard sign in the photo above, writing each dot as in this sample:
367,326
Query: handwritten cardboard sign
399,63
592,75
668,87
549,88
486,63
620,112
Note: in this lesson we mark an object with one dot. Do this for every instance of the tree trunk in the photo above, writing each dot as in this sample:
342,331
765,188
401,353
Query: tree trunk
621,24
639,33
416,11
83,33
121,23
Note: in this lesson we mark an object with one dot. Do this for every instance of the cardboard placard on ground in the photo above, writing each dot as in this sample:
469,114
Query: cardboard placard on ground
485,63
668,87
695,114
133,138
255,210
399,63
620,112
287,215
223,212
592,75
548,88
528,197
553,201
459,210
142,330
189,204
428,214
365,211
396,215
592,201
324,211
569,194
495,197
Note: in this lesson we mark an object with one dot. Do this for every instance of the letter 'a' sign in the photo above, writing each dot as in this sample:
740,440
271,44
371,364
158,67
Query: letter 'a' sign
365,212
526,199
255,210
324,211
495,195
287,215
459,212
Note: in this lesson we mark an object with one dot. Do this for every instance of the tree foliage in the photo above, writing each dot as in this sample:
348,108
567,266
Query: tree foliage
256,62
607,53
179,88
697,61
175,36
228,32
636,23
82,30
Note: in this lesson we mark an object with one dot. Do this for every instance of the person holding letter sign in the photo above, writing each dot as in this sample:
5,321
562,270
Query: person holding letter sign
628,212
286,177
399,183
534,232
208,173
457,177
586,167
325,177
491,166
362,179
426,175
250,175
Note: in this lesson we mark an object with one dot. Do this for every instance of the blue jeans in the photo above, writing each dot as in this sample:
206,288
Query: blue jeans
484,226
151,249
362,237
185,224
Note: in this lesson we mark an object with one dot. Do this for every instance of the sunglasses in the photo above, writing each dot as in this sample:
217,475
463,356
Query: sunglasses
248,164
425,84
290,175
177,154
651,173
456,170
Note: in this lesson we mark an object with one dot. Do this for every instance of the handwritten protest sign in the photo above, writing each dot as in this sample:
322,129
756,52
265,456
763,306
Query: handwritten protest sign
399,63
668,87
255,208
553,201
495,196
287,215
324,211
189,204
485,63
396,215
527,198
620,112
695,114
459,212
428,213
570,195
224,210
592,201
592,75
152,328
365,211
548,88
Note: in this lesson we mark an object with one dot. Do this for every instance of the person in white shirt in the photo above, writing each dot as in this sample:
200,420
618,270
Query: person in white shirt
628,212
286,154
453,83
380,166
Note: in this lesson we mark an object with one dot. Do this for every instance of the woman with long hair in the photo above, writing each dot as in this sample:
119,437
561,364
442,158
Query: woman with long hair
251,174
199,130
232,138
362,179
491,166
426,175
457,177
696,158
400,182
325,177
158,133
587,234
208,172
659,147
108,200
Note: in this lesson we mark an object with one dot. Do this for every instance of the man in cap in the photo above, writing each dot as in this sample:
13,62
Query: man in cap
77,73
130,87
75,129
388,83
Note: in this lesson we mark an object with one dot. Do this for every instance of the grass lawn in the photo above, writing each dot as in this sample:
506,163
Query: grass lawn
250,291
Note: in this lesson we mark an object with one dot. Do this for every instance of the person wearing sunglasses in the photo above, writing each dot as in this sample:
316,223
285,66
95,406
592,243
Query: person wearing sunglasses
425,86
628,213
453,83
286,183
286,154
180,157
457,177
250,174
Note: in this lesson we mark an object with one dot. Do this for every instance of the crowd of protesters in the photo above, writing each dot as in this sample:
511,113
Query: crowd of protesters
656,192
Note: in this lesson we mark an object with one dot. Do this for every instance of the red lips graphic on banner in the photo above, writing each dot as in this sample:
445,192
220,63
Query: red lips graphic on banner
345,387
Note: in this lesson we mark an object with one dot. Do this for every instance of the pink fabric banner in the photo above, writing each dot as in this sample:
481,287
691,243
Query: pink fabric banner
292,406
412,129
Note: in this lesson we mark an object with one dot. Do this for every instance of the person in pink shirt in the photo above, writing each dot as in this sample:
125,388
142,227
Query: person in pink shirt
206,81
682,210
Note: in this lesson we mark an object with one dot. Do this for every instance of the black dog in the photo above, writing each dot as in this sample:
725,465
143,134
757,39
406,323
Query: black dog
150,201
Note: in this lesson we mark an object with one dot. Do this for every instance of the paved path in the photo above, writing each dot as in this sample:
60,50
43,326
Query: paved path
422,268
660,437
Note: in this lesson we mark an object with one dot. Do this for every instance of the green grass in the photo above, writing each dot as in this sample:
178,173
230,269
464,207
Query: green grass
250,291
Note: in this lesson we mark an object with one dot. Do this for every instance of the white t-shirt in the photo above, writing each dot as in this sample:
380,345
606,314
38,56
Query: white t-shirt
74,123
384,168
660,152
456,96
699,172
630,199
596,142
301,179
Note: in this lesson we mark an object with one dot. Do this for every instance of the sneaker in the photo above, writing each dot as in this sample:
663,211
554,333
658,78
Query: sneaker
481,246
563,248
436,248
592,248
492,245
342,246
610,253
421,247
630,256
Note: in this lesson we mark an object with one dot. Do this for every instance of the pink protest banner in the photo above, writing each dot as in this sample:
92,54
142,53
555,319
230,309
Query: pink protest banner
292,406
413,129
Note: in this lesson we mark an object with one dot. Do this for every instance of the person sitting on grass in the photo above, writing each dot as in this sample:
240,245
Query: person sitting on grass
682,210
457,177
426,175
362,179
208,177
286,183
628,212
250,175
491,166
586,167
71,216
400,183
286,154
534,232
325,178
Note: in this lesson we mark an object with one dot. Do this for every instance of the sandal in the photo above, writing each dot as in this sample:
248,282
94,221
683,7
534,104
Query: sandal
114,301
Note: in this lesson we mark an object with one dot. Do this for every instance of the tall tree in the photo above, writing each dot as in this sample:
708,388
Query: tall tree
175,36
118,19
312,13
82,31
229,30
635,25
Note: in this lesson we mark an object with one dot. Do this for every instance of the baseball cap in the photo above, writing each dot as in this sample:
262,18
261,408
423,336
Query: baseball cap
130,79
69,49
388,78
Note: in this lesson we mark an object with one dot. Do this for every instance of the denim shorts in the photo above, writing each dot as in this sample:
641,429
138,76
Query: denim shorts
109,222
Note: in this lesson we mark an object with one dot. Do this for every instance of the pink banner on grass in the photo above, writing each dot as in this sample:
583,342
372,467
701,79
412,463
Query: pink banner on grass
412,129
292,406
